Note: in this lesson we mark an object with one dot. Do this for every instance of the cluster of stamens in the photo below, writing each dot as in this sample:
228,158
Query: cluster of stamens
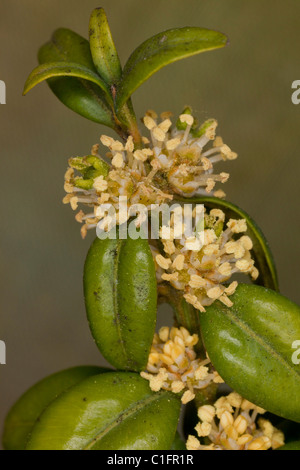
173,364
173,161
232,424
200,268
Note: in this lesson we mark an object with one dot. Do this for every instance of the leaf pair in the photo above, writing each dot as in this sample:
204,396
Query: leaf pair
87,76
72,77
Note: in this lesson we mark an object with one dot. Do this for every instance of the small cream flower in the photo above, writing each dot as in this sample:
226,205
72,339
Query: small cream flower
173,364
232,424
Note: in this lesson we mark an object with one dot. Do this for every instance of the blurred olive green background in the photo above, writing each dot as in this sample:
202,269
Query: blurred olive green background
246,87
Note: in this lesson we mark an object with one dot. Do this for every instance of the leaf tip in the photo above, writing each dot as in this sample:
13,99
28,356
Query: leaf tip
25,89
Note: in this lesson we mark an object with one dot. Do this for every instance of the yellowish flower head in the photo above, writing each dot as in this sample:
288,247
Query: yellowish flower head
174,160
202,270
232,424
173,364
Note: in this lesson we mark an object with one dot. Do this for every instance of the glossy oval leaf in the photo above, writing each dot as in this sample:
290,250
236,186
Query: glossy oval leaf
111,411
261,251
83,97
103,50
28,408
67,46
163,49
63,69
251,346
121,300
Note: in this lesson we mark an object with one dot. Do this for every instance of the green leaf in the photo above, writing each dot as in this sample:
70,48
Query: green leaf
295,445
28,408
63,69
251,346
163,49
261,252
103,50
121,300
67,46
83,97
113,411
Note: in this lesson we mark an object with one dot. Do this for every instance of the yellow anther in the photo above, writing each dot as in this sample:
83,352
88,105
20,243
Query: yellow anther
118,161
177,386
187,118
244,265
100,184
106,140
74,203
149,122
187,397
165,125
166,359
193,443
260,443
209,237
197,281
178,262
237,226
243,440
231,432
203,429
225,269
217,378
173,143
129,146
140,155
117,146
240,424
226,419
201,373
158,134
234,399
163,262
214,292
230,290
225,300
207,165
206,413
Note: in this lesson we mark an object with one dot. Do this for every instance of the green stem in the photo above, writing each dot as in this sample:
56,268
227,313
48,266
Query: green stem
185,314
207,396
127,123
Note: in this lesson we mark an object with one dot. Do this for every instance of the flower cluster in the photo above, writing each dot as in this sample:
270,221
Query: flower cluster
173,161
230,424
200,268
173,364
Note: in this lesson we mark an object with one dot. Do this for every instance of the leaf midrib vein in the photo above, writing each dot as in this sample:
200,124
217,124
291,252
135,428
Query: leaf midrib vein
245,327
132,410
